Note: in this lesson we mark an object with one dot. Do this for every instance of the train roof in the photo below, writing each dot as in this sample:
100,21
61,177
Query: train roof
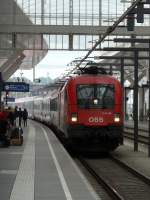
87,78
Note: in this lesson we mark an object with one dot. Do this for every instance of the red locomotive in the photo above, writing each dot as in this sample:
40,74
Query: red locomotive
90,110
87,110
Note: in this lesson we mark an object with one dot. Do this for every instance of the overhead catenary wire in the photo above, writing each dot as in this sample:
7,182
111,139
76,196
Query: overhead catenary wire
109,30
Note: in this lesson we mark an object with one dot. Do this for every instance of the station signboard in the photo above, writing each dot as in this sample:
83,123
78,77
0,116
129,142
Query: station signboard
9,99
15,87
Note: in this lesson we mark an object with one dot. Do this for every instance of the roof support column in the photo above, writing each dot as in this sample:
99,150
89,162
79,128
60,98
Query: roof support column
70,42
122,72
149,106
135,104
122,83
141,103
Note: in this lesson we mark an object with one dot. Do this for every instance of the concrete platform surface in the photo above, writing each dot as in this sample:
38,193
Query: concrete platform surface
41,169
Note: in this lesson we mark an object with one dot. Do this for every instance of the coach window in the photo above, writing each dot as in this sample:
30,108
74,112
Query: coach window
53,104
65,96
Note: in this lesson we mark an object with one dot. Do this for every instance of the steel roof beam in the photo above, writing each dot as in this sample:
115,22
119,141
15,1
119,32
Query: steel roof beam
114,64
125,49
74,29
120,57
132,40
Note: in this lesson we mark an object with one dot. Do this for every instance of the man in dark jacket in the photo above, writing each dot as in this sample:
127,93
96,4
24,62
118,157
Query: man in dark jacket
25,116
20,116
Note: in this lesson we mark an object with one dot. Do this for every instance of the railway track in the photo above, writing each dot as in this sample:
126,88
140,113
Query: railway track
142,136
119,180
141,139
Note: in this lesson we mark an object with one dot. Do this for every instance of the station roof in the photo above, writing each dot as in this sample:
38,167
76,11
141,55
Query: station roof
30,28
11,58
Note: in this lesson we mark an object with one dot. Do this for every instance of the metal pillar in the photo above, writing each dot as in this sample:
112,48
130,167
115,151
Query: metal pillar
70,42
141,103
111,69
149,107
1,85
122,83
122,72
125,103
0,97
135,106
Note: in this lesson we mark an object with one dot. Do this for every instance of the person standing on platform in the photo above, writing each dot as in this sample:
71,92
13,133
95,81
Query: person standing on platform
15,115
25,117
4,126
20,116
11,116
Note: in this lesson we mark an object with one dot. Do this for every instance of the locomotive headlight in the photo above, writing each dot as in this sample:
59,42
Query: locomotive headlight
74,117
95,101
117,117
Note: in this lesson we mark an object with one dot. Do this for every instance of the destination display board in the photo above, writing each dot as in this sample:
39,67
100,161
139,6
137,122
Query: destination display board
15,87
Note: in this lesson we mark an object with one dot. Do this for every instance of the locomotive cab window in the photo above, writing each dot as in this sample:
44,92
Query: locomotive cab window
95,96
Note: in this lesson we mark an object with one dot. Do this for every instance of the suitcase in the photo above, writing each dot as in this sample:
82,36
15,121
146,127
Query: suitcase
17,141
17,137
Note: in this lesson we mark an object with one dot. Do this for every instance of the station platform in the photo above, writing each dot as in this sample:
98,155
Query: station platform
41,169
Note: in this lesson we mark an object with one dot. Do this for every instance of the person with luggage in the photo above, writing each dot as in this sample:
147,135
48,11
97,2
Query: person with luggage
25,116
16,136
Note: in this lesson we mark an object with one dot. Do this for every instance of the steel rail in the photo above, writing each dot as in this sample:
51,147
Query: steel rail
132,170
111,191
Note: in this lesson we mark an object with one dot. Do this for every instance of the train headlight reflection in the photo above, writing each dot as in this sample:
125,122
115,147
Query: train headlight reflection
74,117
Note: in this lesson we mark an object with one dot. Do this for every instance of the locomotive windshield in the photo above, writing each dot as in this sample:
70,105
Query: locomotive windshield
95,96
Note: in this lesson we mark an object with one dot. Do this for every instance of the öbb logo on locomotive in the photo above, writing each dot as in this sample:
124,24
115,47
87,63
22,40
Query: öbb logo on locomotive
96,119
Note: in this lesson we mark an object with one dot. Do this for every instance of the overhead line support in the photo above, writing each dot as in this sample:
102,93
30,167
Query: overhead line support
110,29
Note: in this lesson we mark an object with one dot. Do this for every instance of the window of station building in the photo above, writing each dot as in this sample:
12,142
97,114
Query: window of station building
56,41
53,104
